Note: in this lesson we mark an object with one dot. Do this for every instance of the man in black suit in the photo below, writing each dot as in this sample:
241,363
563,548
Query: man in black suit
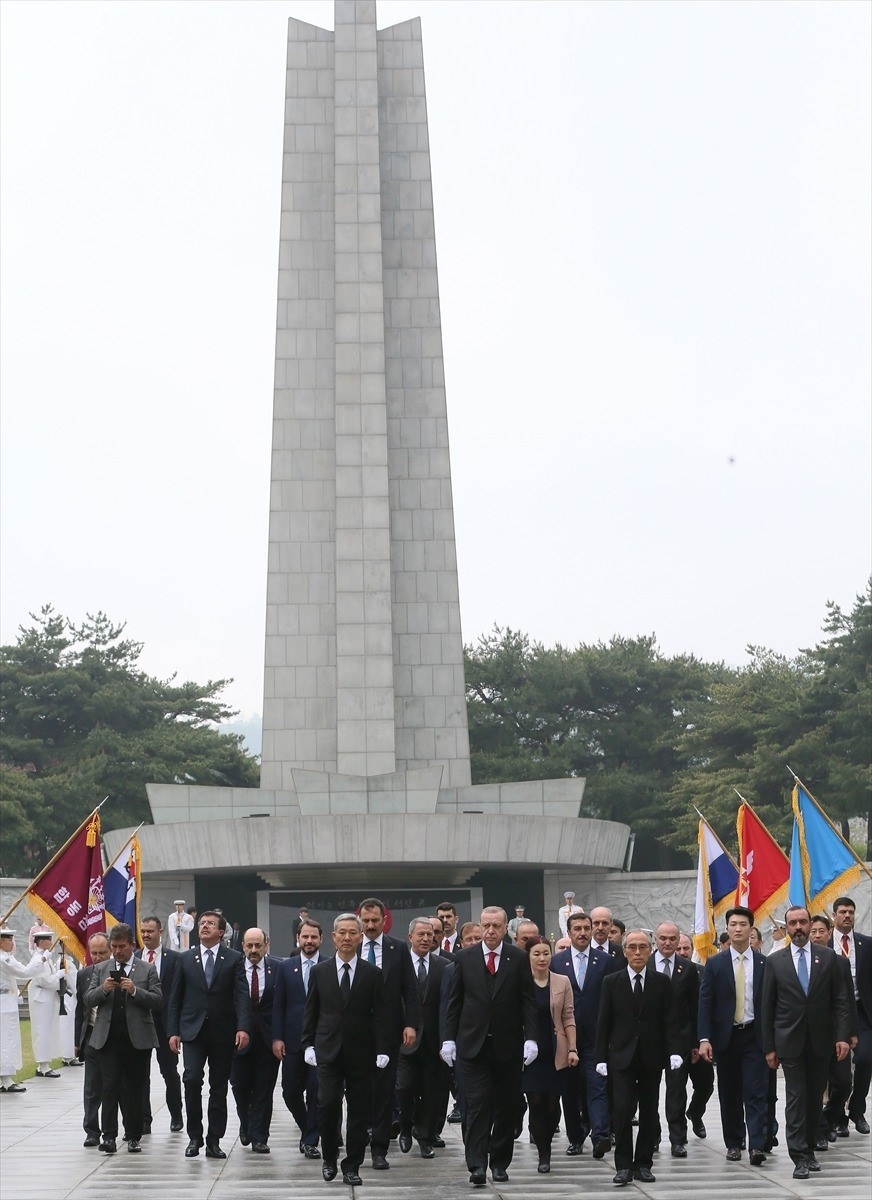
423,1080
345,1037
701,1073
490,1031
584,1091
164,962
637,1032
805,1017
210,1015
401,1009
98,949
839,1080
857,949
254,1071
731,1035
684,978
126,994
299,1080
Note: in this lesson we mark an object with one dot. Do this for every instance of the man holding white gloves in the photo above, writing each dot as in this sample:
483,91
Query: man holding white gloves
490,1032
637,1030
344,1039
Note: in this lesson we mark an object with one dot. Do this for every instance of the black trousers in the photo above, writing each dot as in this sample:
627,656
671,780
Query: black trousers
215,1048
124,1069
384,1086
675,1106
92,1090
804,1080
169,1069
702,1078
349,1075
300,1094
253,1080
743,1087
423,1083
634,1086
491,1086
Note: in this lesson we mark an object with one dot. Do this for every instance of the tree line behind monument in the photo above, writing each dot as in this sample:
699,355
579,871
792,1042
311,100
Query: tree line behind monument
652,734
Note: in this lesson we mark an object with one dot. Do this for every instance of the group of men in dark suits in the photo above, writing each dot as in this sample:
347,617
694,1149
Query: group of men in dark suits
385,1024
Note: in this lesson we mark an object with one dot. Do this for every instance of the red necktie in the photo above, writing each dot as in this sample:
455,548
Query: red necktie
492,961
151,956
846,949
446,945
255,987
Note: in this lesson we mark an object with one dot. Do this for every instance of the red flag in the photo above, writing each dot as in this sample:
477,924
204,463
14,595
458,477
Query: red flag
68,894
764,868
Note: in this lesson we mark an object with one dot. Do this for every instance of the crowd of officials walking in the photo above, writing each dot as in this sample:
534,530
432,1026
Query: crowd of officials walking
384,1039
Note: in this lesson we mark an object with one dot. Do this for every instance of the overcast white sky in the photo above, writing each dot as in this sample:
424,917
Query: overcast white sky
653,233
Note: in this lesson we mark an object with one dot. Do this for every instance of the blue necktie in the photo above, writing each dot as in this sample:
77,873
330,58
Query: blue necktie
208,967
370,953
802,969
307,964
582,970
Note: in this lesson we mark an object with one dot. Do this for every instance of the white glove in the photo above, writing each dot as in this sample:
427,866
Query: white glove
381,1061
531,1053
675,1061
448,1053
310,1058
602,1069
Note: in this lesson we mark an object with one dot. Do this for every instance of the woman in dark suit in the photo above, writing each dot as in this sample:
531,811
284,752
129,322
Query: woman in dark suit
555,1035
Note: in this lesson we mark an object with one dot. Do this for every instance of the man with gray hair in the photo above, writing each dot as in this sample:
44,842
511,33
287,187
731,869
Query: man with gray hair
423,1080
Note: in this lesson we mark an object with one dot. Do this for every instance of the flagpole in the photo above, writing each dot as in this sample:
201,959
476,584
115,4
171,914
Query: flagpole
124,847
54,859
836,831
715,836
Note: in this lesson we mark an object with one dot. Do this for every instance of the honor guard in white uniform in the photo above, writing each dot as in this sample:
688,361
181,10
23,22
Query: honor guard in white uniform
179,927
11,971
45,1013
566,911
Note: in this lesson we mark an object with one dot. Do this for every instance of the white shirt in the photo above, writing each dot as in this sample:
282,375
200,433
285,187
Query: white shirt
364,950
749,979
157,958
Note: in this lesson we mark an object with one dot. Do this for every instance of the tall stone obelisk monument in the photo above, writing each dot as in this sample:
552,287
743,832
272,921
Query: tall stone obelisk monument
364,658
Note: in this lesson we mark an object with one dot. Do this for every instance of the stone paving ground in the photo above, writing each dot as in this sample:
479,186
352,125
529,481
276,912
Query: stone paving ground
42,1158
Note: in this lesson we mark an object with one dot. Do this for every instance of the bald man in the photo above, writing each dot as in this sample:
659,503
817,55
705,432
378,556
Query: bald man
254,1071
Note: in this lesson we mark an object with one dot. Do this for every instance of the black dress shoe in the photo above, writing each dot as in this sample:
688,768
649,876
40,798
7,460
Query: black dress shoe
678,1151
757,1158
734,1154
698,1129
379,1163
499,1175
108,1146
133,1146
405,1142
543,1168
260,1148
822,1144
574,1148
643,1174
813,1165
454,1117
622,1178
831,1136
801,1171
49,1074
213,1149
602,1147
352,1179
311,1152
91,1140
861,1125
176,1125
842,1131
478,1177
193,1147
243,1136
328,1171
14,1087
439,1143
427,1151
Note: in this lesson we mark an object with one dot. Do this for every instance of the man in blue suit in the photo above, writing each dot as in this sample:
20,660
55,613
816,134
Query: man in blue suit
586,967
299,1080
730,1032
254,1070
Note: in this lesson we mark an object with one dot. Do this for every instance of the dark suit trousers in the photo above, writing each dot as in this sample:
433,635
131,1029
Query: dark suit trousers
300,1094
631,1086
92,1088
492,1086
384,1087
804,1080
169,1069
839,1085
743,1086
702,1077
585,1099
862,1071
124,1071
253,1079
423,1083
676,1104
215,1047
350,1074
